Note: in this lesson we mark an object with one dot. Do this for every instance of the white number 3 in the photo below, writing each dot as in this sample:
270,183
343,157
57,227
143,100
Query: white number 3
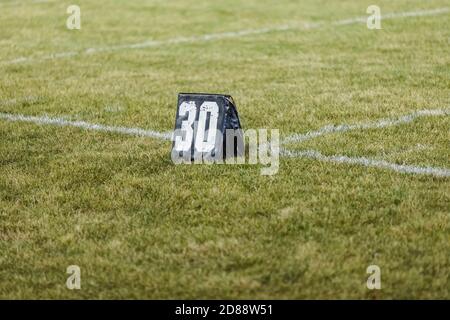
186,126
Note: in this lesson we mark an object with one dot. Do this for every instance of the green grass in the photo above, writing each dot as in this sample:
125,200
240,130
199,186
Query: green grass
140,227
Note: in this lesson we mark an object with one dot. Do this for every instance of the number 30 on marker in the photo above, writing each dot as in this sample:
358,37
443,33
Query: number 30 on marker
208,108
200,125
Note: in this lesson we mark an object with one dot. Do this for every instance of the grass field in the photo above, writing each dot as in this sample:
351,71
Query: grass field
140,227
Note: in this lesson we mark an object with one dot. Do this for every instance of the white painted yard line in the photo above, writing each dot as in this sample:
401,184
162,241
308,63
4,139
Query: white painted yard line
149,44
219,36
364,161
383,123
311,154
368,162
45,120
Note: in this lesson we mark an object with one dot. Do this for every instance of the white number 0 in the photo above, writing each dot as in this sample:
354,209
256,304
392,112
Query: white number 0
208,145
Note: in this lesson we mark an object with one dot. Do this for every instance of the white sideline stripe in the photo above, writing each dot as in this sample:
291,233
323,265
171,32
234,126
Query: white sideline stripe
86,125
224,35
383,123
368,162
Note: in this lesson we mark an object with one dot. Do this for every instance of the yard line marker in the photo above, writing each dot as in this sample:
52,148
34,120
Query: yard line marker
383,123
86,125
368,162
223,35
